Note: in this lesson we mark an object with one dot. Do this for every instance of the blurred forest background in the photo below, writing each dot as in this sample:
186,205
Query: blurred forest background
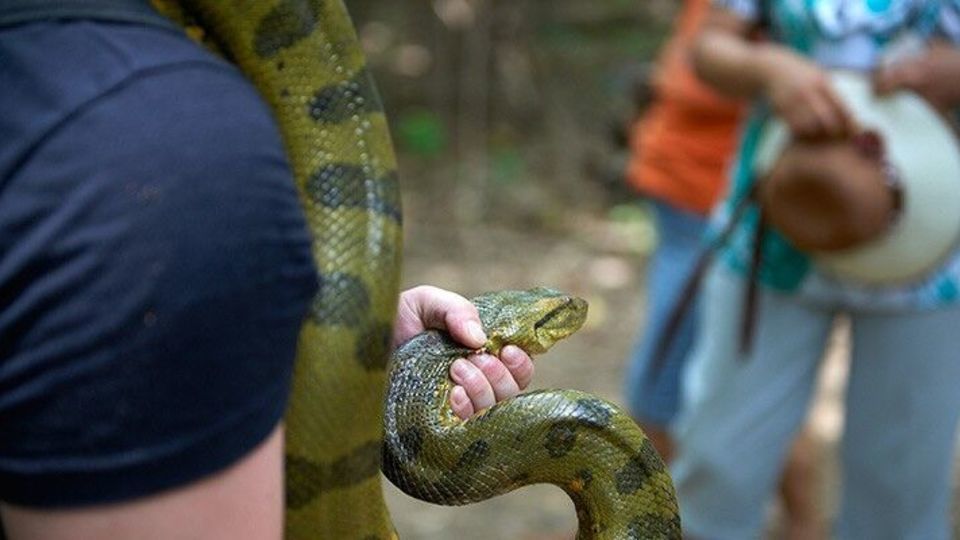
510,118
501,108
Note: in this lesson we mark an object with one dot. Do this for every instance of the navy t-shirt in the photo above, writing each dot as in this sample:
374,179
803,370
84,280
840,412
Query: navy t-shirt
155,266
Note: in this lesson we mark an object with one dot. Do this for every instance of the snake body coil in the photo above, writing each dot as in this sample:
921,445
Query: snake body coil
304,58
585,445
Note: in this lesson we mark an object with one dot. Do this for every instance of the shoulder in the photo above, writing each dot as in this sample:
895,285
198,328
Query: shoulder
114,88
53,73
145,186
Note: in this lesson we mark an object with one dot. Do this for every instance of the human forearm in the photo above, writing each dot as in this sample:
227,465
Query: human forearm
726,59
731,64
241,502
934,75
798,90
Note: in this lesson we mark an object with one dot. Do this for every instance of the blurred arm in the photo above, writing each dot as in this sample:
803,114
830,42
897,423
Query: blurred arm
935,76
725,59
798,90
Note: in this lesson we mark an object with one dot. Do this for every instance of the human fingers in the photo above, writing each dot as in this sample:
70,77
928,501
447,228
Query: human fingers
801,94
794,99
460,403
905,75
501,380
818,112
833,116
519,364
932,76
478,389
803,122
886,79
426,307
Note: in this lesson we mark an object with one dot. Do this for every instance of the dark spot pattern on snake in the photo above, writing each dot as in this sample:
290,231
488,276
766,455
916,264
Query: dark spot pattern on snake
338,102
653,526
339,185
289,22
373,346
593,412
357,466
474,455
342,299
633,475
560,439
411,441
584,477
303,478
520,479
307,479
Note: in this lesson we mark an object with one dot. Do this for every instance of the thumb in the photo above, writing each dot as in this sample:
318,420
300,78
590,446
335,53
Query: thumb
426,307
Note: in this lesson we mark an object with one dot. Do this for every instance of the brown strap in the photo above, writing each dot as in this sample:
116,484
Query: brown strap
751,306
684,303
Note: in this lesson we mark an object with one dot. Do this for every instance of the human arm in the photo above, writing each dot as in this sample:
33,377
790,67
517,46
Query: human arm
798,90
934,75
244,501
482,379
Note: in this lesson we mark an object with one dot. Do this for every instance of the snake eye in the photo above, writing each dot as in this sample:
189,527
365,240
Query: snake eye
560,321
551,315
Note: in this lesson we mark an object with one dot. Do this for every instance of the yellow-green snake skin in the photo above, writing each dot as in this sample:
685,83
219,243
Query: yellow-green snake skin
305,59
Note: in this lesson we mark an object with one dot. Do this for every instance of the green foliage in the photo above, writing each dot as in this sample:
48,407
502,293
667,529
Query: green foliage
420,132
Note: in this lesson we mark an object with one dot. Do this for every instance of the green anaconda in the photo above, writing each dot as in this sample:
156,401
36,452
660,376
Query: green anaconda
585,445
305,59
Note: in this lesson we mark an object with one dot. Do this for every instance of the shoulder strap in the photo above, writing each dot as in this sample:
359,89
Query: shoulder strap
683,306
763,15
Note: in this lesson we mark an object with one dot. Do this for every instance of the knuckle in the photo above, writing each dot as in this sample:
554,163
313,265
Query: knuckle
524,371
491,367
478,389
473,381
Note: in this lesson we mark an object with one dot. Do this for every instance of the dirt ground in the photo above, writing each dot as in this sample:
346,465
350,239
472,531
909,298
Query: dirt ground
602,262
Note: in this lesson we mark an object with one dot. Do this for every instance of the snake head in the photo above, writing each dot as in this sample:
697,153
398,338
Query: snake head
532,319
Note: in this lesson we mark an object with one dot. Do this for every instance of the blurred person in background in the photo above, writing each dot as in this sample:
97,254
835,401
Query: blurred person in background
741,412
681,150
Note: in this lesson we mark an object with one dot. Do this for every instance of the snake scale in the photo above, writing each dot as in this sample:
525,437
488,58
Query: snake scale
305,59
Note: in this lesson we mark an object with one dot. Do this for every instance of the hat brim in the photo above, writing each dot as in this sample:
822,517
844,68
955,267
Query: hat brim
924,151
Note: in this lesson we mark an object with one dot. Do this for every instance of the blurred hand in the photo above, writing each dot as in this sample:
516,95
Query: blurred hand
801,95
481,379
934,75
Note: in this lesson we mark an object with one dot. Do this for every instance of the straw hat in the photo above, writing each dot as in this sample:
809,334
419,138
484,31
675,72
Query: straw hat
891,212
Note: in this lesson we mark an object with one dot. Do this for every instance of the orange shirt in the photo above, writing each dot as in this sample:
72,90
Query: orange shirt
682,145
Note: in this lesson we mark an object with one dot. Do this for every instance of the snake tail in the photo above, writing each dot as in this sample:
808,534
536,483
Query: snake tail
585,445
304,58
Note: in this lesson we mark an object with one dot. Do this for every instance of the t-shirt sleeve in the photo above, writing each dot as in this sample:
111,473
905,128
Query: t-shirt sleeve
152,304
